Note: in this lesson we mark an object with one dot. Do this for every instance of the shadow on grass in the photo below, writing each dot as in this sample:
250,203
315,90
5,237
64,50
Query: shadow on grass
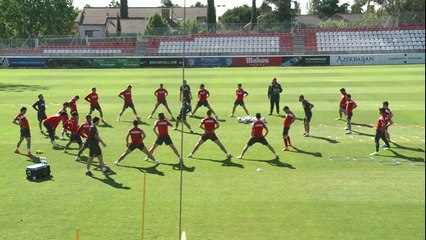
179,167
150,170
408,148
363,134
140,122
105,125
274,162
43,179
363,125
20,87
196,117
111,181
194,133
330,140
315,154
224,163
30,159
401,156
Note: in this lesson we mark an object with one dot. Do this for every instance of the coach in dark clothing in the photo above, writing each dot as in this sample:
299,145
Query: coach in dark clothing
274,92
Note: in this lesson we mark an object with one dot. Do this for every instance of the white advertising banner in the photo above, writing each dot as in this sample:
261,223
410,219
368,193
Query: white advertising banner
376,59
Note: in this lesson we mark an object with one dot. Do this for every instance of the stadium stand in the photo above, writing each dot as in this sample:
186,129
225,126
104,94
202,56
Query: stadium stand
94,49
222,44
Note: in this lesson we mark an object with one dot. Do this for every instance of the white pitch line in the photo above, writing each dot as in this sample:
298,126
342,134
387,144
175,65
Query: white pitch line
361,140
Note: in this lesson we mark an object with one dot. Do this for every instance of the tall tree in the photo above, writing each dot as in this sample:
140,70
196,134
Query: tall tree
313,6
198,5
253,15
241,14
157,25
327,8
118,25
211,16
124,9
168,4
284,11
32,18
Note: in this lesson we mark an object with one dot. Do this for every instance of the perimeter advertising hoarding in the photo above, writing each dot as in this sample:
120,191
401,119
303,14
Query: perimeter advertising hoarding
27,62
116,62
341,60
306,61
161,62
209,62
407,58
257,61
69,62
4,62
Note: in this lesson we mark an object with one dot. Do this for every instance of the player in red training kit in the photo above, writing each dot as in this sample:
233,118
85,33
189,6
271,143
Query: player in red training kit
93,99
52,122
342,104
22,122
241,94
84,131
258,137
72,126
350,106
382,124
126,95
161,129
388,118
65,118
203,95
161,94
137,136
289,119
209,125
73,104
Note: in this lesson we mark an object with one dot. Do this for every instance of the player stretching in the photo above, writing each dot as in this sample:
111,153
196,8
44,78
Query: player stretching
73,104
185,93
350,106
72,126
203,94
241,94
84,131
137,136
307,107
380,131
126,95
22,122
161,129
161,94
93,99
209,125
388,118
258,137
342,104
289,119
52,122
40,107
64,119
185,109
95,149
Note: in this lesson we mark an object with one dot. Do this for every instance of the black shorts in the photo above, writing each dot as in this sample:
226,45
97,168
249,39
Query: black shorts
343,108
76,138
257,140
239,103
349,116
86,144
139,146
164,102
285,131
180,118
128,105
25,133
308,117
93,107
164,139
203,103
206,137
95,151
41,115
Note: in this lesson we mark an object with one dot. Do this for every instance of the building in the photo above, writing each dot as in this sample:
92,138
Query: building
102,22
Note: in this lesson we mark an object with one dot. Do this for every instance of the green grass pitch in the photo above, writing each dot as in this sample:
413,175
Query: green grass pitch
304,196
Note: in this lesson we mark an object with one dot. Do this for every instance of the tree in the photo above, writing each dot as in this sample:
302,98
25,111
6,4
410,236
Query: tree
313,6
357,6
253,15
168,4
391,7
211,16
283,10
191,27
124,9
157,25
198,5
327,8
242,14
114,4
33,18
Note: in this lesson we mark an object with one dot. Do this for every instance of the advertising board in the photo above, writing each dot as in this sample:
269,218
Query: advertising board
161,62
116,62
306,61
27,62
209,62
257,61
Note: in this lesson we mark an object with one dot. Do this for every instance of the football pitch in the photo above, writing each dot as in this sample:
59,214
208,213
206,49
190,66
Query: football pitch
326,187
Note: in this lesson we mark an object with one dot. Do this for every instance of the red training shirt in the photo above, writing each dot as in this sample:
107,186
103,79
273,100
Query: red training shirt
209,124
203,94
257,128
71,125
135,135
127,94
53,121
163,127
342,100
161,94
240,94
23,121
84,129
73,105
381,123
350,106
289,119
93,98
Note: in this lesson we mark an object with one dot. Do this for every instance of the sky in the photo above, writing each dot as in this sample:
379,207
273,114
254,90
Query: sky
221,5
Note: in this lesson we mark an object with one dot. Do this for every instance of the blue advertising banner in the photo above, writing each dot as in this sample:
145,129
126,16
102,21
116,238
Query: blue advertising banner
27,62
210,62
